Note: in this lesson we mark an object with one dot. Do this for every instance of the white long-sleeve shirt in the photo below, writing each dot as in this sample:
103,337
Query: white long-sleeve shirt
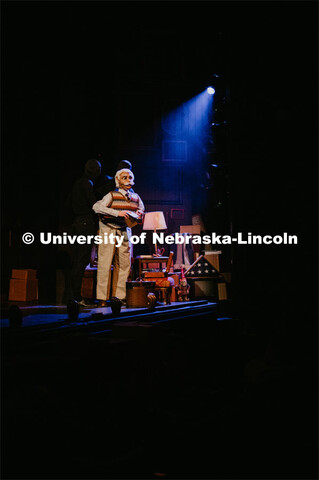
102,206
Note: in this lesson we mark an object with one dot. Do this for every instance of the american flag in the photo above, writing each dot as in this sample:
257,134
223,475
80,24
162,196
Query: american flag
202,268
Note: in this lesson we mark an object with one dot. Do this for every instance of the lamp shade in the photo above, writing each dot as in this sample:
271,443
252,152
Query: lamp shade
154,221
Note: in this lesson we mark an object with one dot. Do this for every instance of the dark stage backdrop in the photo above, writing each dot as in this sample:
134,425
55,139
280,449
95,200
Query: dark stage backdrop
95,79
82,80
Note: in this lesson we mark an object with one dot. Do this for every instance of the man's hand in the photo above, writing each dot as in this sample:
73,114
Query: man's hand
123,214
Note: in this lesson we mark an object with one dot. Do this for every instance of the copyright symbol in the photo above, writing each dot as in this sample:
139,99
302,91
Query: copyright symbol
28,238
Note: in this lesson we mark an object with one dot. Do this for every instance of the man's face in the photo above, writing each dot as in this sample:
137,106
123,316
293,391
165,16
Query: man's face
126,180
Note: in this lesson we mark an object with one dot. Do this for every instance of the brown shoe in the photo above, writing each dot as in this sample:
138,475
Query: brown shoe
102,303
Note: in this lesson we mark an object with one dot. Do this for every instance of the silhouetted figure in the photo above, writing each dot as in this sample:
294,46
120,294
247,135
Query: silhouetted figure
106,183
85,222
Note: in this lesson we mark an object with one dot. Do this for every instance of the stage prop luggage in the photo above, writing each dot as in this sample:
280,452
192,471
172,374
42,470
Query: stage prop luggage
164,284
138,294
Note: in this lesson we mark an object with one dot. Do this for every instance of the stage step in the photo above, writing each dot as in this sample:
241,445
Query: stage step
99,323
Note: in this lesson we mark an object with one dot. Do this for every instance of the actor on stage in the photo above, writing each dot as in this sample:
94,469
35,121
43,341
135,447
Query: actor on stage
116,210
106,184
81,200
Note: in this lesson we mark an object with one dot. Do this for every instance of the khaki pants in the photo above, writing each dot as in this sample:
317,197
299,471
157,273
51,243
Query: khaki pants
121,264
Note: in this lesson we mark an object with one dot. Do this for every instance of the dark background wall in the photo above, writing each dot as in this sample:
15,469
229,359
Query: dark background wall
93,79
82,79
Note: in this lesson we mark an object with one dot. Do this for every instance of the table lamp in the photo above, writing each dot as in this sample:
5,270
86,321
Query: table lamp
154,221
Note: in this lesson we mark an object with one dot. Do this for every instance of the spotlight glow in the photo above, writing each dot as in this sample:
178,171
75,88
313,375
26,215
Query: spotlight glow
210,90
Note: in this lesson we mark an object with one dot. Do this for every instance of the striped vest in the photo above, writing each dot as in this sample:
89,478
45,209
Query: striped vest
120,202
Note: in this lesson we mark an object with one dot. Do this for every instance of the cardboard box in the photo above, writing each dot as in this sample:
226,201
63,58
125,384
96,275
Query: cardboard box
24,274
213,258
22,290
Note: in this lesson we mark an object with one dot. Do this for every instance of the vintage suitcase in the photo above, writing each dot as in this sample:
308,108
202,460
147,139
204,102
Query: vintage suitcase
136,293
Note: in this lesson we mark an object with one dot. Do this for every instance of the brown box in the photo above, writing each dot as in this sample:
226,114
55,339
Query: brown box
193,230
87,288
24,274
226,276
22,290
89,283
213,258
222,291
